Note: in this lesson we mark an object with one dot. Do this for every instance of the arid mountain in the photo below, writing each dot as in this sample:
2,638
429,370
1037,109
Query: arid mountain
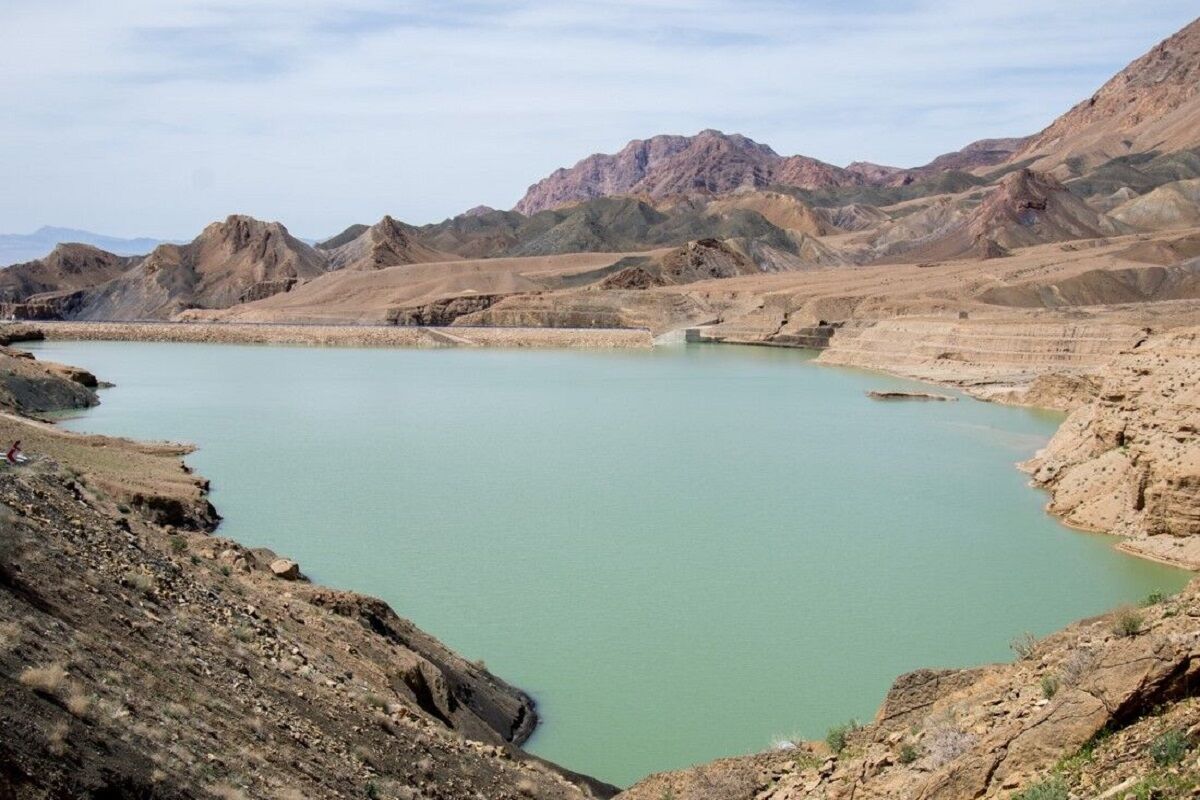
235,261
1151,106
68,267
387,243
1025,209
711,162
981,154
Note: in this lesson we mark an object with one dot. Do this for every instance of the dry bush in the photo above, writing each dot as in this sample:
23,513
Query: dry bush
946,742
56,739
1076,666
226,792
79,703
48,680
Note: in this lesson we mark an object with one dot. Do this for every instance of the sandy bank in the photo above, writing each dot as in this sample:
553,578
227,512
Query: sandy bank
346,335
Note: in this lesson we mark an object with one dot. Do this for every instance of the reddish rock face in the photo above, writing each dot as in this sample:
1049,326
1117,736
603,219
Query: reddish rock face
710,162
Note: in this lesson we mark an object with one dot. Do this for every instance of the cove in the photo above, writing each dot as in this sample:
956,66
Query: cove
681,553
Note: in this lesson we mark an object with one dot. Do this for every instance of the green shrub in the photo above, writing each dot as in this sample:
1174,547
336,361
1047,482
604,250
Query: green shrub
836,736
1154,598
1054,788
1128,622
908,754
178,544
1049,685
1169,748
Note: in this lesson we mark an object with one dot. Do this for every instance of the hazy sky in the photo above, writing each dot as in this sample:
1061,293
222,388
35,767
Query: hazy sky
154,117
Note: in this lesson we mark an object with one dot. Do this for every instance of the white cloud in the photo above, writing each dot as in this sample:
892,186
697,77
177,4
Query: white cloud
142,117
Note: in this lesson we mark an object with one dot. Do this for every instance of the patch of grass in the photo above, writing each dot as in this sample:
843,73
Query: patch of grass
225,570
1053,788
837,736
1128,622
1049,685
47,680
1169,748
178,544
1024,645
908,753
138,581
375,701
1162,786
243,633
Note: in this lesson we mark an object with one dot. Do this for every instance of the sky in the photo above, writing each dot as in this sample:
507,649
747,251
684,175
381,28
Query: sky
152,118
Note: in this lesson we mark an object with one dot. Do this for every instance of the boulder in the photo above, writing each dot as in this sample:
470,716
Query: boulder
286,569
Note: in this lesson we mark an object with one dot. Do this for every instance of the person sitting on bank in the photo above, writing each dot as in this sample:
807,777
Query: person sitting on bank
14,455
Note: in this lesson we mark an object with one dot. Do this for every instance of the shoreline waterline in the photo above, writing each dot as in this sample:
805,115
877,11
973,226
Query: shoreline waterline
672,375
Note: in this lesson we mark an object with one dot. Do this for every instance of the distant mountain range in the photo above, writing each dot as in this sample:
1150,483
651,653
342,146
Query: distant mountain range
18,247
671,210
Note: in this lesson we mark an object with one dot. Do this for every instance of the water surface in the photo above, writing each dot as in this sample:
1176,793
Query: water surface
680,553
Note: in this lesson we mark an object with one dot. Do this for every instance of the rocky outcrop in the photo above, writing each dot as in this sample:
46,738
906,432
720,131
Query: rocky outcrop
1025,209
442,312
710,162
1129,462
34,387
1105,688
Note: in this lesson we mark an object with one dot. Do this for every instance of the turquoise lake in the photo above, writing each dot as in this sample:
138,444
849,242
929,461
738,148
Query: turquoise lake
681,553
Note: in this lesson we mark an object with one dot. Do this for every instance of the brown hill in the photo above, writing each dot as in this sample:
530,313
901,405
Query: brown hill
1153,105
1172,205
1025,209
387,243
235,261
68,267
663,166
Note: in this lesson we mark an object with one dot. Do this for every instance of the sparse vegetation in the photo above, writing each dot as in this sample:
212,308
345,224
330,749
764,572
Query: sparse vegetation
1024,645
178,544
1128,622
908,753
1154,598
1049,685
1053,788
1169,748
139,581
946,741
837,736
56,739
1076,665
47,680
79,703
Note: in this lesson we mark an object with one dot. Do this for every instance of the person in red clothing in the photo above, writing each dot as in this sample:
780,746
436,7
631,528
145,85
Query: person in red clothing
14,455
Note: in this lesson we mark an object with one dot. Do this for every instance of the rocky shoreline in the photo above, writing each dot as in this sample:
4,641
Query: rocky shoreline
381,704
143,656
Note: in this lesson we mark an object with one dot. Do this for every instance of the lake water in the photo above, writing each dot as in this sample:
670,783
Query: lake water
680,553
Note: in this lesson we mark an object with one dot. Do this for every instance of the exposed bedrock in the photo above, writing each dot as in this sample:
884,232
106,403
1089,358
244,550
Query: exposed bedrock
1129,462
988,732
